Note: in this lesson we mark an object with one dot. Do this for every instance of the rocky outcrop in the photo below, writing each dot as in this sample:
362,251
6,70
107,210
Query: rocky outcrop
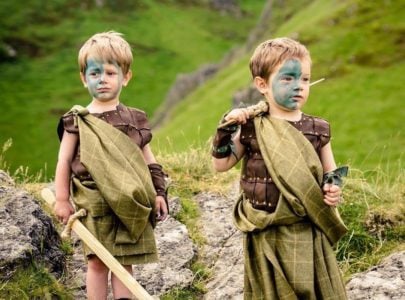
26,232
186,83
246,97
384,282
222,252
176,252
226,6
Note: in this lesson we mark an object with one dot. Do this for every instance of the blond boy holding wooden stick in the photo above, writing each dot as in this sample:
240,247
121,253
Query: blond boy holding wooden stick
106,166
290,183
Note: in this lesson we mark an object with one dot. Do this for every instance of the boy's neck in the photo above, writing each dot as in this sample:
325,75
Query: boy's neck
294,115
97,106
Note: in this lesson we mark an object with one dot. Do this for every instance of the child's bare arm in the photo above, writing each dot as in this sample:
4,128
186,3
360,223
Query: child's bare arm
327,159
63,207
161,205
332,193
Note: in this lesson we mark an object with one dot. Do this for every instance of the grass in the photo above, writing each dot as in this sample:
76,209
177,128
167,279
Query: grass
191,173
374,212
357,46
168,37
33,282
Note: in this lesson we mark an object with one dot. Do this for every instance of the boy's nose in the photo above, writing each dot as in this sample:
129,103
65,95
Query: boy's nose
102,77
298,86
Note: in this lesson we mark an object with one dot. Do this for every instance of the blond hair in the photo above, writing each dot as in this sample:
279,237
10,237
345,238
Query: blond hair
271,53
107,47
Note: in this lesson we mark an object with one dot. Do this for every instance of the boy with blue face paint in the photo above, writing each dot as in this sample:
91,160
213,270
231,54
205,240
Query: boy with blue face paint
106,166
290,184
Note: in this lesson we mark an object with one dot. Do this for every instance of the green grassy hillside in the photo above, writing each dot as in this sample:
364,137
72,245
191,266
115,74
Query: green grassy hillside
42,82
358,46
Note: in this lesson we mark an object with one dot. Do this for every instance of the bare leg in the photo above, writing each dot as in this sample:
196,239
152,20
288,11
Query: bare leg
119,289
96,279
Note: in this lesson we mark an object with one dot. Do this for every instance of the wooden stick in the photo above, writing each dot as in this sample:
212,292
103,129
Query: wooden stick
102,253
318,81
253,111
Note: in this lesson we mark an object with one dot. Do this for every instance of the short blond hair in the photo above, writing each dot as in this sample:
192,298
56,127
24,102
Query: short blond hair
107,47
271,53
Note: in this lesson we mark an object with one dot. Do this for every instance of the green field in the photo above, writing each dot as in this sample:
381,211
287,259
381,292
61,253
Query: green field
358,46
42,82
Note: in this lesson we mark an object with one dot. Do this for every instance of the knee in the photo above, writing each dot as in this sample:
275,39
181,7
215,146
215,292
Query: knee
96,265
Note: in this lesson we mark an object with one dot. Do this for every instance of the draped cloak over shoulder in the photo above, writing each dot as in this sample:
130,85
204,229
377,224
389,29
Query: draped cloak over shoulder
112,182
288,252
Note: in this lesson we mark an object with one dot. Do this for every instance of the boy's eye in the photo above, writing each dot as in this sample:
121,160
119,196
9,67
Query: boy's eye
287,78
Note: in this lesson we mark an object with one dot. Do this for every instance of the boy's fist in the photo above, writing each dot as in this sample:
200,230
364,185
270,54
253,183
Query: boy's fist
238,115
332,194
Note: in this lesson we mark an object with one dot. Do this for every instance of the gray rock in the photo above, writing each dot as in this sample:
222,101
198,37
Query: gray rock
246,97
385,281
5,179
222,252
226,6
176,251
184,84
26,232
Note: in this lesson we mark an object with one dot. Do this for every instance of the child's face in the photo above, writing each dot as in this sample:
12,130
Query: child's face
288,85
104,80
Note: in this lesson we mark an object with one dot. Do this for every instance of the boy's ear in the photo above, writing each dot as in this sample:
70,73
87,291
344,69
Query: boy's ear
83,78
261,84
127,78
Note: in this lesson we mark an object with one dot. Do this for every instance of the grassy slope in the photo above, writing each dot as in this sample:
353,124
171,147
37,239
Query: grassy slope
167,38
357,46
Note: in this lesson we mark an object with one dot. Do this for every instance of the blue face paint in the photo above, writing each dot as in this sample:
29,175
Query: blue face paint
286,84
104,80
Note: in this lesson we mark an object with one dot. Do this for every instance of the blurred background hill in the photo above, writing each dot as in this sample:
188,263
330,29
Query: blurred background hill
357,45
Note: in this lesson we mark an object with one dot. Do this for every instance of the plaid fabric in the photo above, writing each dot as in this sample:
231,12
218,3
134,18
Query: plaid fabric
121,200
288,253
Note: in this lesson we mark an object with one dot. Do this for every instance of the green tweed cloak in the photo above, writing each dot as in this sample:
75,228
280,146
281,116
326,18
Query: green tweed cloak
120,201
288,253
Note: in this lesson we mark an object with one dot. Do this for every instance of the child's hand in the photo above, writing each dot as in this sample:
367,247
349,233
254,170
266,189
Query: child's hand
63,210
161,208
332,194
238,115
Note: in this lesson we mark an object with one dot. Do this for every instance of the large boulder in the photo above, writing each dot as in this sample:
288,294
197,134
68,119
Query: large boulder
384,282
176,252
222,252
26,232
246,97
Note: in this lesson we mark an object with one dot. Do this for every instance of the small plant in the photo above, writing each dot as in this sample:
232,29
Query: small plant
33,282
373,211
22,175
